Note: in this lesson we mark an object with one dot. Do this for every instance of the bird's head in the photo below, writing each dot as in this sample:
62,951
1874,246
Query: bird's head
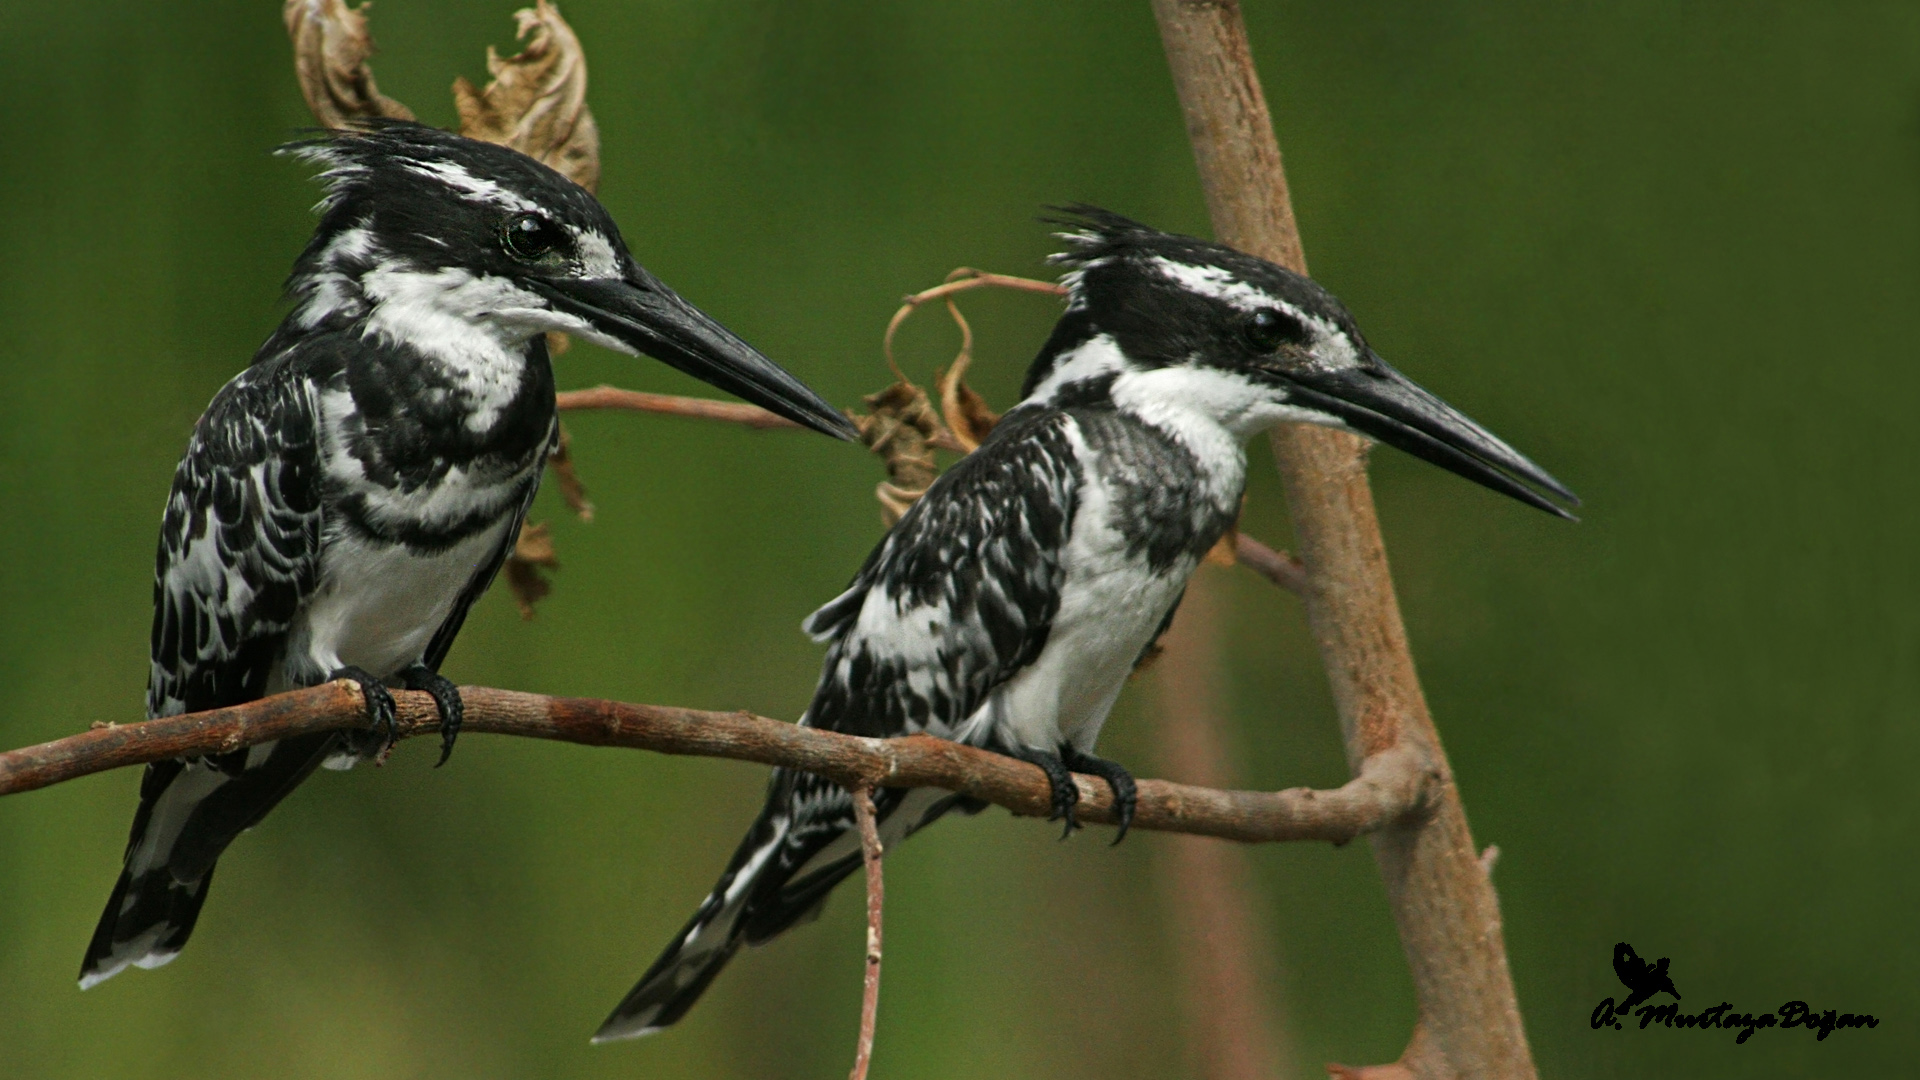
1252,344
421,228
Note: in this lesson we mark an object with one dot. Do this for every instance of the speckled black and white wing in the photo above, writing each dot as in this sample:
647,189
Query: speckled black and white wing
239,545
239,548
960,594
957,598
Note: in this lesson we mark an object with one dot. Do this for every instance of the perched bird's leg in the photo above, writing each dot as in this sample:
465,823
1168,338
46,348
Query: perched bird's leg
1065,794
381,711
1117,778
446,698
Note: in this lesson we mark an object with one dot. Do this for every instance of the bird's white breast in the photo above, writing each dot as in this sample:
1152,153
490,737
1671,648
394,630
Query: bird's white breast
1111,603
378,604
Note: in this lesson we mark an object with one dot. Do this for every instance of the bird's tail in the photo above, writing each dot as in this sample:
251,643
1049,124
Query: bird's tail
189,813
802,845
682,973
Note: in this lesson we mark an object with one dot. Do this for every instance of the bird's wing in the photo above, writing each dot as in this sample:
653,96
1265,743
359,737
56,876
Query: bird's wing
960,595
485,572
239,552
239,545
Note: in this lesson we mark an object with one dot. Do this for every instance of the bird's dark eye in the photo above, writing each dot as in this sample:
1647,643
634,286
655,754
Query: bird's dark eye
531,236
1267,329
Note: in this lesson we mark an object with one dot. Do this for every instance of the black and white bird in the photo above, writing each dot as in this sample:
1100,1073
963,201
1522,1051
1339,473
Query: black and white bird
1006,609
345,499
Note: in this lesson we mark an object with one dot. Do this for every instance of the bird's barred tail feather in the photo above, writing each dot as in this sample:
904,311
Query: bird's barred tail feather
189,813
698,953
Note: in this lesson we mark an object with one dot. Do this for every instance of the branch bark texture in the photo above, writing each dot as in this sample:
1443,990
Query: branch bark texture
1391,787
1443,901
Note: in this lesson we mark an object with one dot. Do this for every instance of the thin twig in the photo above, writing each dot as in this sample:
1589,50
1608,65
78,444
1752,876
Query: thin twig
612,397
1276,566
957,283
871,852
730,412
1389,787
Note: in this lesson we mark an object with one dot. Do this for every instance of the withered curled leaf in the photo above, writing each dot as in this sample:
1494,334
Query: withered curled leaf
899,428
966,412
571,489
330,50
536,102
532,553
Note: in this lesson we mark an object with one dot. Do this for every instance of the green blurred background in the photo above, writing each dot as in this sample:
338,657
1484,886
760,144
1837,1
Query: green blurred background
1672,251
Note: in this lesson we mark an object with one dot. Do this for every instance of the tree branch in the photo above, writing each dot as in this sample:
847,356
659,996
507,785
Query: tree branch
1442,899
1389,788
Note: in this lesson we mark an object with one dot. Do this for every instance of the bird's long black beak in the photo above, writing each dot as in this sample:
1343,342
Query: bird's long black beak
642,313
1375,400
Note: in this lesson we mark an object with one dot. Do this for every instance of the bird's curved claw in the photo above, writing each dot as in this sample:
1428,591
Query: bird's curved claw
446,698
1119,780
383,716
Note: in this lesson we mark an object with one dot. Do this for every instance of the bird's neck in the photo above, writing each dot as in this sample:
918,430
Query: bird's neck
442,340
1198,408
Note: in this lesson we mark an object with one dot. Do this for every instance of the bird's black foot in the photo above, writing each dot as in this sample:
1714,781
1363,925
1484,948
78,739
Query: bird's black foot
446,698
1065,794
1125,796
384,717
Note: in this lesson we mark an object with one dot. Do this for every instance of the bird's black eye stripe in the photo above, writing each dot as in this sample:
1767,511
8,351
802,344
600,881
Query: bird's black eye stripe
1267,329
531,236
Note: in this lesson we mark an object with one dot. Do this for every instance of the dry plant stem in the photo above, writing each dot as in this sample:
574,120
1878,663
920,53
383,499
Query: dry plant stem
870,852
1276,566
957,283
730,412
1389,788
1442,899
1223,956
612,397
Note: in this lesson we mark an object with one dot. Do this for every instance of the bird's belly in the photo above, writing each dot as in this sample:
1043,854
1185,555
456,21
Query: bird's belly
1108,614
378,604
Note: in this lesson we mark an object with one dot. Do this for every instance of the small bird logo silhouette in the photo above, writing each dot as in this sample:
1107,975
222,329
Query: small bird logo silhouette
1644,979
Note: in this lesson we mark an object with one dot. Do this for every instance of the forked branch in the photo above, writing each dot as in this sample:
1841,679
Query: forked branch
1390,787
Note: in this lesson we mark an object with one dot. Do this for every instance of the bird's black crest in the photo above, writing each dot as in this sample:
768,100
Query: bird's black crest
359,157
429,198
1119,282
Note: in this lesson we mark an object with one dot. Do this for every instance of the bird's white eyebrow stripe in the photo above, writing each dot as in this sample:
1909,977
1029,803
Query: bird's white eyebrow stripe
595,254
469,186
1215,282
1332,344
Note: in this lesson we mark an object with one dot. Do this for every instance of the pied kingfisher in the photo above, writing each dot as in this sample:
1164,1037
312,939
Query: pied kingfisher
345,499
1007,607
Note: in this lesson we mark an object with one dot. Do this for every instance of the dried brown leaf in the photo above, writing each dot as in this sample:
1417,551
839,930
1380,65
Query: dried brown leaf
330,49
536,102
571,489
966,412
900,426
532,555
